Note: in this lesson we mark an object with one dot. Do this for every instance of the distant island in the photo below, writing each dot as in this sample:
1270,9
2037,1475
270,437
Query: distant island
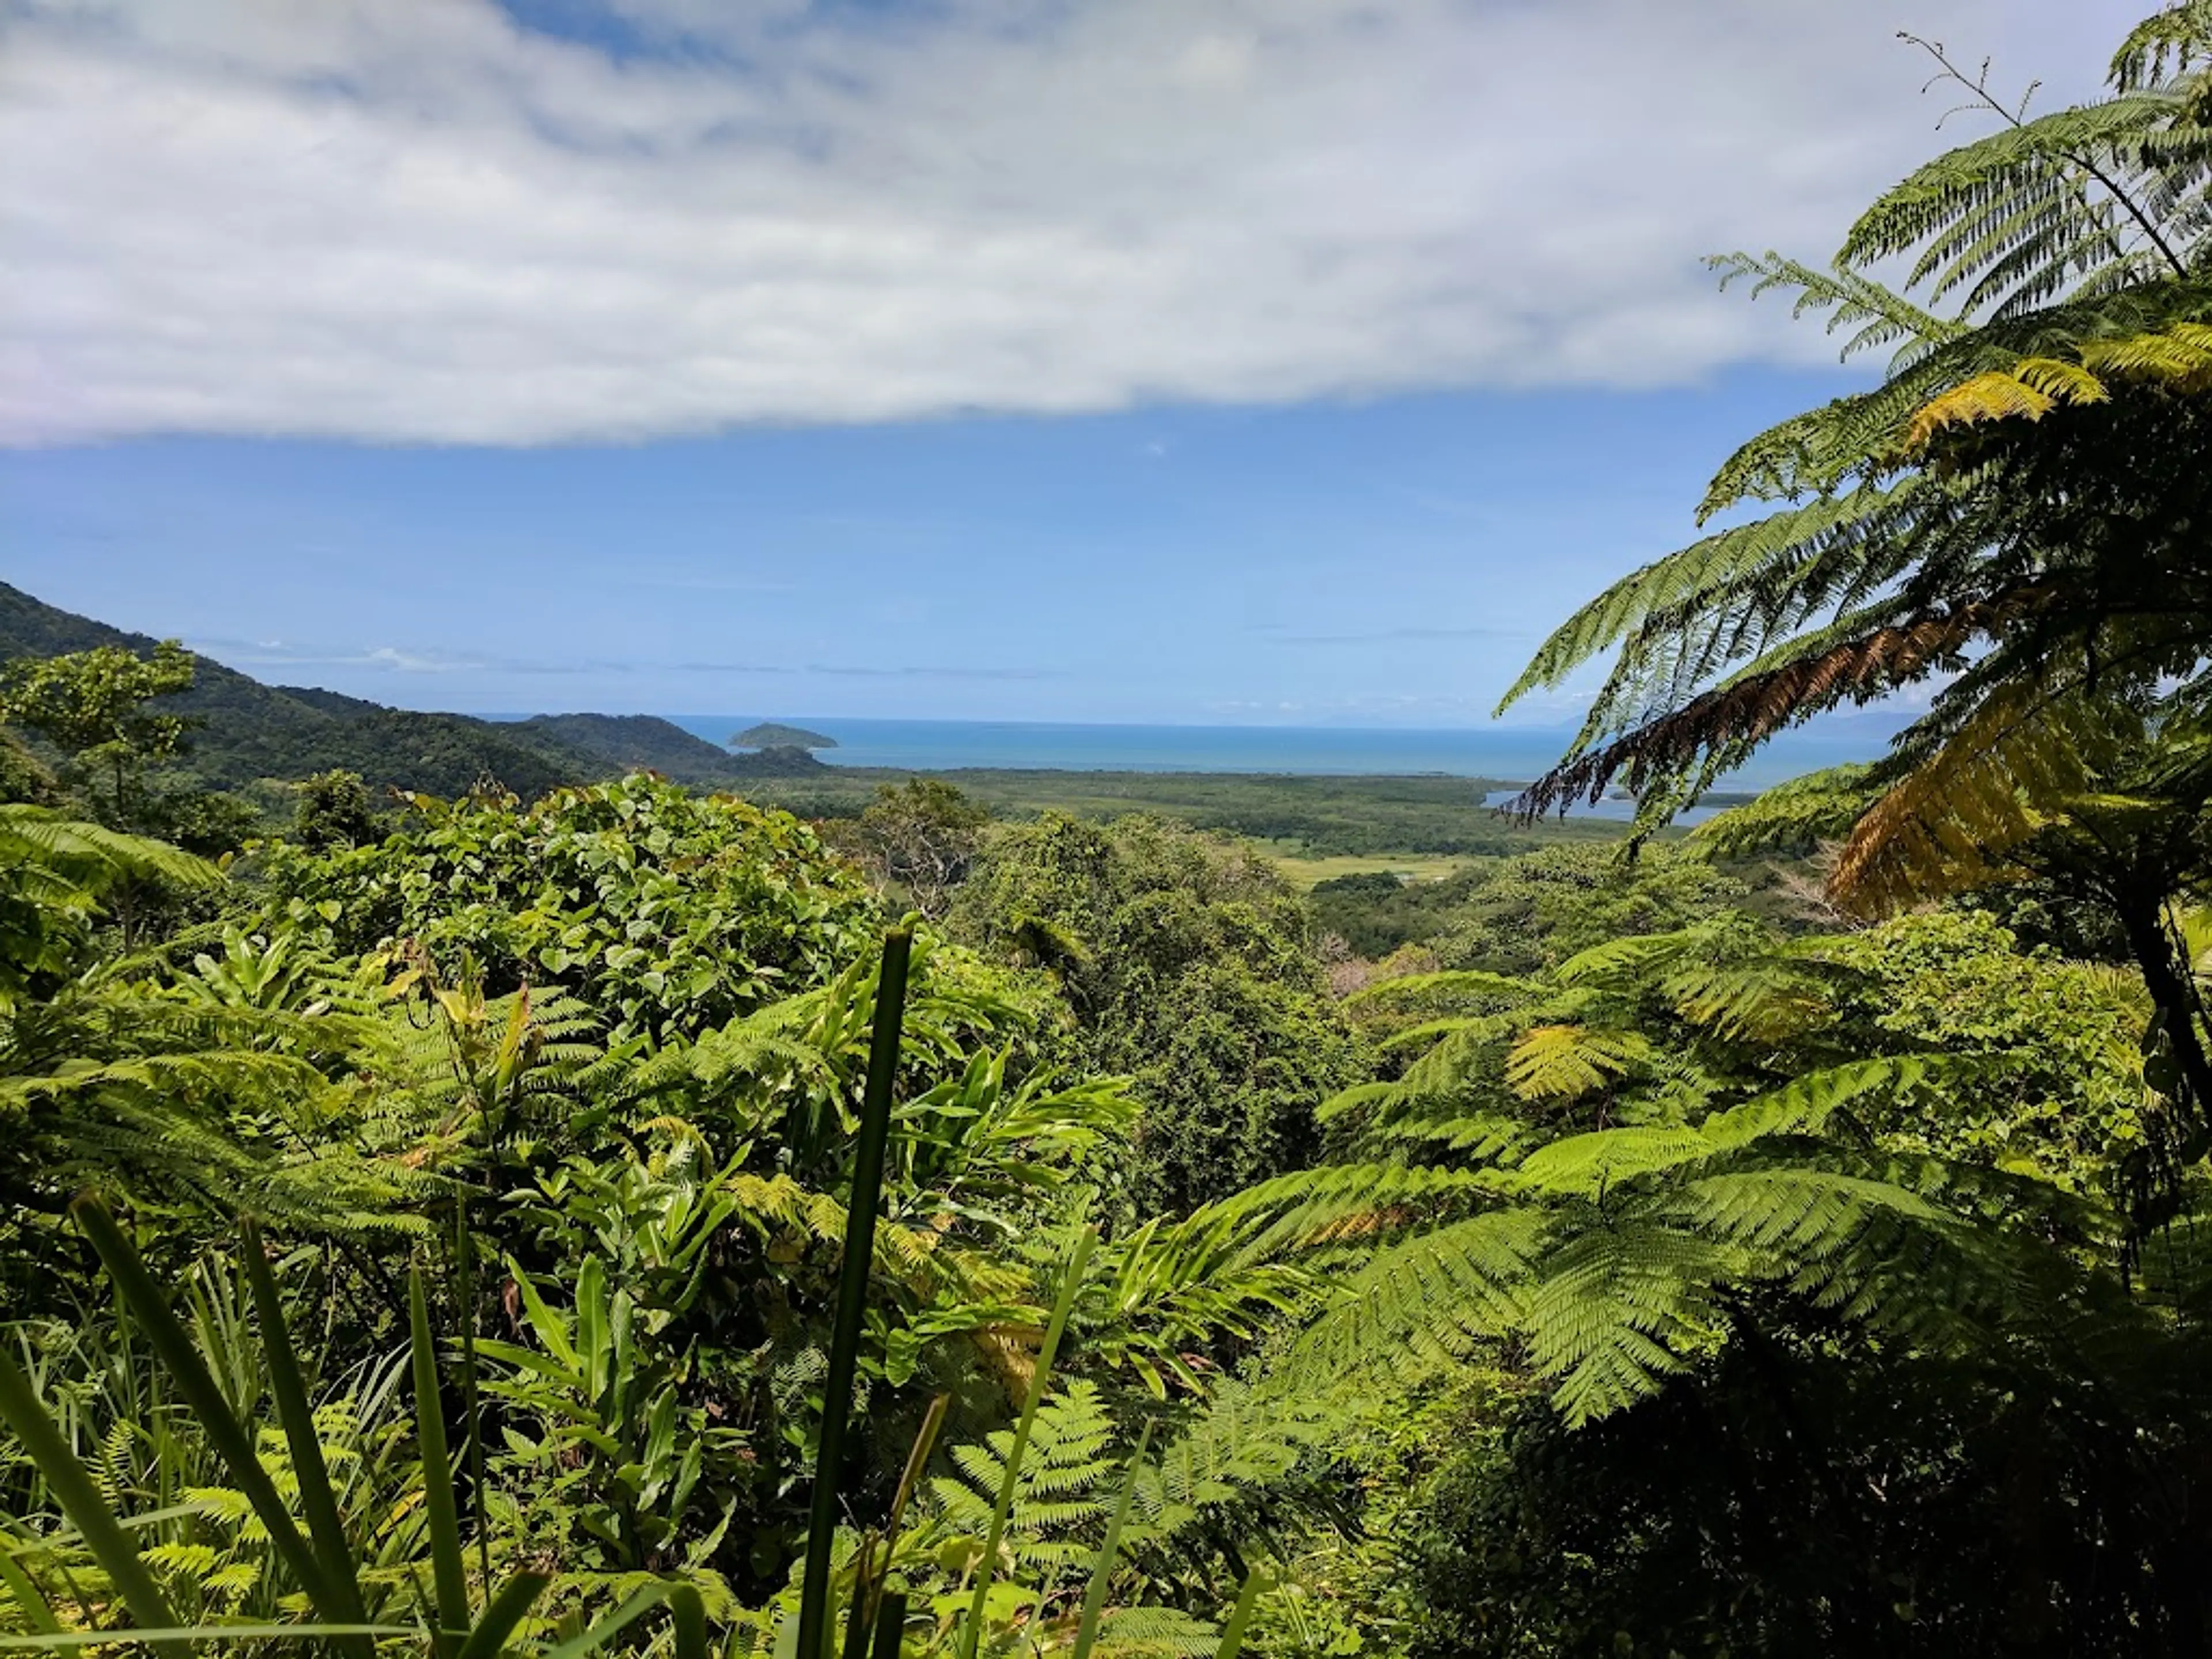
773,734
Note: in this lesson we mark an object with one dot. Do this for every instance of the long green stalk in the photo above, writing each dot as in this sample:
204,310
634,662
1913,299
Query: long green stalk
891,1625
687,1621
642,1602
853,1286
448,1566
74,1489
1102,1569
464,1275
1232,1633
36,1612
317,1499
867,1584
505,1611
212,1411
1040,1380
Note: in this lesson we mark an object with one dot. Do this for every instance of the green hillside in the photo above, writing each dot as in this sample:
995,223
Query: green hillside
630,742
253,731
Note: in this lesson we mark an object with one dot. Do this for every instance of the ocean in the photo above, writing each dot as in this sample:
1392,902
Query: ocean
1515,753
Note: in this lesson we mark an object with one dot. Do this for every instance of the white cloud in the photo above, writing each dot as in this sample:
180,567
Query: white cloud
417,220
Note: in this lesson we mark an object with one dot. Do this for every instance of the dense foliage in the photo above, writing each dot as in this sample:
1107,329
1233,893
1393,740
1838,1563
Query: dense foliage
494,1053
1188,963
431,1224
664,912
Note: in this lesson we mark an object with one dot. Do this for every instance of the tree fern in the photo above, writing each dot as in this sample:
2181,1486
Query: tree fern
1997,502
1566,1062
1611,1245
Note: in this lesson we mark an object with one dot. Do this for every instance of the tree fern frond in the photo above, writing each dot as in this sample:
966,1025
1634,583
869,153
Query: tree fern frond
1448,988
1879,314
1656,601
2178,358
1762,998
1432,1293
1949,824
1632,956
1155,1632
1565,1062
1615,1305
1732,718
2084,149
1350,1201
2172,40
1791,817
2028,391
1245,1437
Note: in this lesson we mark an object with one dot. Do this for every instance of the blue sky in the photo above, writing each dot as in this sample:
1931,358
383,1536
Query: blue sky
1296,362
1388,564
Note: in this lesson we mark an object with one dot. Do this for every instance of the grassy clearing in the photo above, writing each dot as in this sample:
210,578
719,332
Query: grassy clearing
1307,873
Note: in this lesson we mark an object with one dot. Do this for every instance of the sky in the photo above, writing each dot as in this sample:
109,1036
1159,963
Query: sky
1293,362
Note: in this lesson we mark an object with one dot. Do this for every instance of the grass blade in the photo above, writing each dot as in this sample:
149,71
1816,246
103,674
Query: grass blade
874,1137
508,1608
189,1371
643,1603
298,1417
1102,1570
36,1612
73,1489
464,1273
867,1584
917,1460
891,1625
856,1608
690,1614
449,1567
1232,1633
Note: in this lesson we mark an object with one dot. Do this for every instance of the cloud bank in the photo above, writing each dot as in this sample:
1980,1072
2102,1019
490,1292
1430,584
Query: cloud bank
438,221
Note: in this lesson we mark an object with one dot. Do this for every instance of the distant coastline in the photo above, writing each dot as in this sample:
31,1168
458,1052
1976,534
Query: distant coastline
1502,752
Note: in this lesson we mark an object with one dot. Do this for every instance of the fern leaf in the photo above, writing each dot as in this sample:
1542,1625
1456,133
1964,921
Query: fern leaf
1565,1062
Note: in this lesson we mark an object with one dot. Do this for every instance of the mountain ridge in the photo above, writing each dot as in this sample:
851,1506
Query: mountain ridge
253,731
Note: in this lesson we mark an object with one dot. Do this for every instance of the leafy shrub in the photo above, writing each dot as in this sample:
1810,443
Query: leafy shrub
670,913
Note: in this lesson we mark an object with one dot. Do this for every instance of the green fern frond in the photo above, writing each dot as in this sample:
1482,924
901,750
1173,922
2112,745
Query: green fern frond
1761,999
1791,817
1431,1294
1425,992
1566,1062
1155,1632
1877,314
1631,957
1618,1305
2170,41
1244,1439
1950,822
1345,1201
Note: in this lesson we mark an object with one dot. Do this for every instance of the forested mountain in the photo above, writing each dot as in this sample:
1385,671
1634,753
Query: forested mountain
629,743
252,731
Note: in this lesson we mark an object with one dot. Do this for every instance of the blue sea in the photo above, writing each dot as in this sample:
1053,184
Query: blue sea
1510,752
